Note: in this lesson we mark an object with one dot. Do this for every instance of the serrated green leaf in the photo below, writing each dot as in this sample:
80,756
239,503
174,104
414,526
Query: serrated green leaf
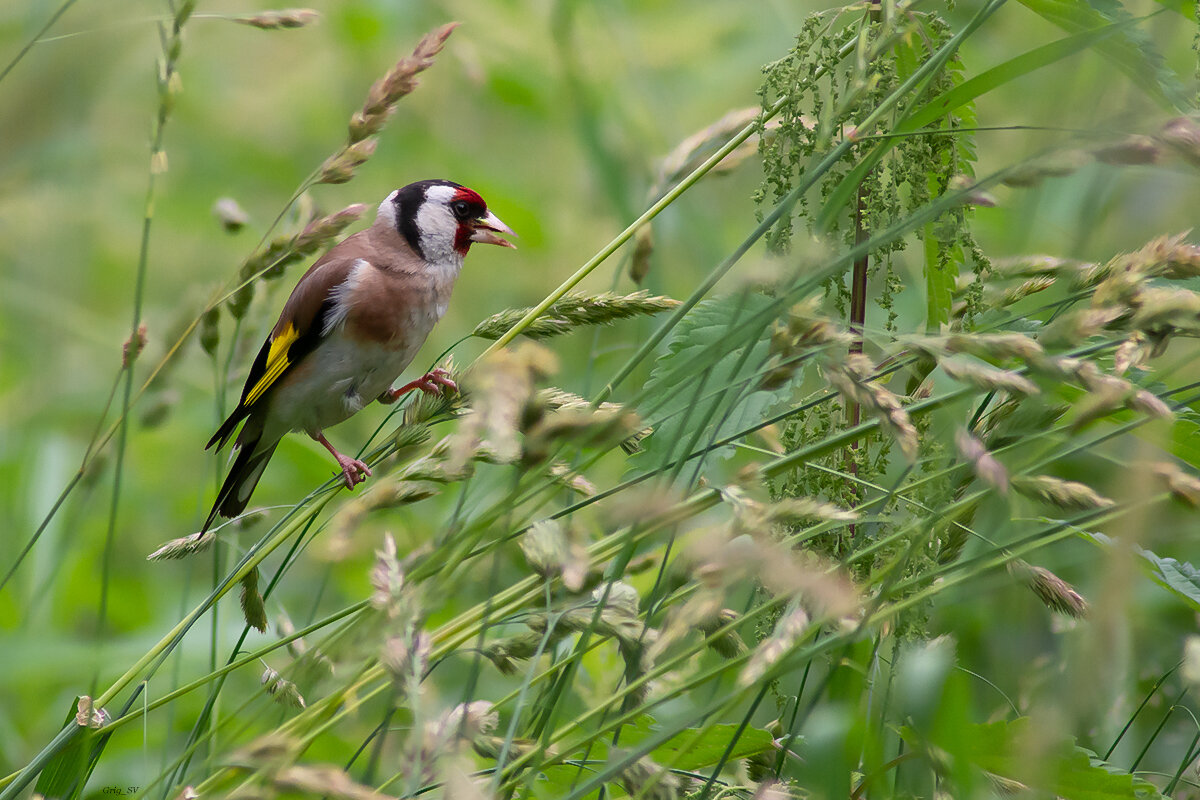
704,382
1062,768
1178,577
1131,51
939,283
682,752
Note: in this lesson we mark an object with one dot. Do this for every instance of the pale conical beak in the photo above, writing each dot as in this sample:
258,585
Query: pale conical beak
486,229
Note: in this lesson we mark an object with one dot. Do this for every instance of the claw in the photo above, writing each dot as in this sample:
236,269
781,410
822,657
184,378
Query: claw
432,382
354,471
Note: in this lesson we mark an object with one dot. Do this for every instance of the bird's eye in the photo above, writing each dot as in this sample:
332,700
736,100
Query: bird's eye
461,209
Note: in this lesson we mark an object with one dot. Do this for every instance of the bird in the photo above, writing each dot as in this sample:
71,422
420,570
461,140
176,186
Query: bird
354,322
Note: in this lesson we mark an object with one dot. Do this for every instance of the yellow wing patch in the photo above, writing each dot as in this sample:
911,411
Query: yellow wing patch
277,362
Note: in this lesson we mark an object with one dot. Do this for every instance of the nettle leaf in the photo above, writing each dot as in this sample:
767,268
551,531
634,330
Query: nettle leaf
1132,50
1068,771
1178,577
1062,768
703,388
682,752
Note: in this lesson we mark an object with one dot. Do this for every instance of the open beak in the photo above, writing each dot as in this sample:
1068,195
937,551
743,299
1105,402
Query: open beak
486,228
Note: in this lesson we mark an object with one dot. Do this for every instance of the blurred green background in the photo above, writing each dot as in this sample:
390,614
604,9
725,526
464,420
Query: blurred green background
558,113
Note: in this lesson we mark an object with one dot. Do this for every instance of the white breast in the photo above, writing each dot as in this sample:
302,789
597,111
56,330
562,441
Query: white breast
335,382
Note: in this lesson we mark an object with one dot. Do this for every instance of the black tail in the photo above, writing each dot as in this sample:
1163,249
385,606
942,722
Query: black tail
247,468
227,427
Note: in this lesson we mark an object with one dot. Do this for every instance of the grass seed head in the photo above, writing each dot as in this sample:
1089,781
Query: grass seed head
1053,591
1182,135
230,214
1182,485
574,310
322,781
646,779
406,656
183,547
986,467
788,631
284,691
283,19
1067,495
994,346
1132,150
253,607
987,377
399,81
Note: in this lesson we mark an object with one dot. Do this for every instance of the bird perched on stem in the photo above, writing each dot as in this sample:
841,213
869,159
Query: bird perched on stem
350,327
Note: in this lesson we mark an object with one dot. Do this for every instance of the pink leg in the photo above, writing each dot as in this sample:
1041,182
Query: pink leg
430,383
353,470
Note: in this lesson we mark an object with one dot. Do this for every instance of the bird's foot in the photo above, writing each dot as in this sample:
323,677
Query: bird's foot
354,471
432,382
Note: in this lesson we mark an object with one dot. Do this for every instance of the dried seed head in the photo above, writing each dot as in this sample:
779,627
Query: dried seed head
320,781
319,231
994,346
588,427
279,20
644,778
1006,297
728,644
643,248
986,467
848,379
282,690
1183,136
1029,266
387,579
566,475
87,715
1182,486
987,377
406,656
1053,591
1149,404
504,653
231,215
253,608
184,546
210,330
620,596
795,510
1075,327
1067,495
341,166
574,310
1055,165
545,547
398,82
1132,353
133,346
788,630
1132,150
499,389
974,196
1160,307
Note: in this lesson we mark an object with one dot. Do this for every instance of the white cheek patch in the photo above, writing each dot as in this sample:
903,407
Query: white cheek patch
438,227
342,297
387,210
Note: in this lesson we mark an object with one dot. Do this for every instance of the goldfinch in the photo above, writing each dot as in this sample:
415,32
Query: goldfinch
350,327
